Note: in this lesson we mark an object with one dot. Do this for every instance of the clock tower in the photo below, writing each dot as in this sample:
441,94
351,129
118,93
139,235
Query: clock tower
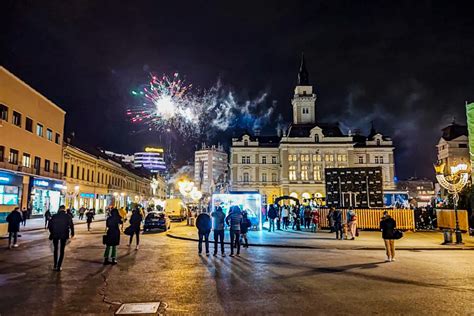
304,100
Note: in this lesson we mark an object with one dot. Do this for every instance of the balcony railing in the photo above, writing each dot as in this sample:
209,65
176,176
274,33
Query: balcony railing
4,164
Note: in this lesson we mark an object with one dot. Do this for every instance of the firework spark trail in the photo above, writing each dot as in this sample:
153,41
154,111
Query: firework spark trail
168,102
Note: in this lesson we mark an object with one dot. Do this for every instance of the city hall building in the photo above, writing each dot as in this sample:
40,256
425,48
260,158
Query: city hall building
294,163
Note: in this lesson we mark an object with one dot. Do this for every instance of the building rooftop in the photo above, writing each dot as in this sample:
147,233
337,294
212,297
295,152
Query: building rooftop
453,131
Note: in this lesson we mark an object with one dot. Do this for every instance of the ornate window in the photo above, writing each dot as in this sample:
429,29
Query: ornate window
304,173
317,173
292,173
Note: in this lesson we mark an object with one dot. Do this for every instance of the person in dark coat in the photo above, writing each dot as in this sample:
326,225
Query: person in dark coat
272,214
337,219
89,218
24,215
135,222
218,225
112,237
14,219
244,229
60,227
47,218
387,226
204,225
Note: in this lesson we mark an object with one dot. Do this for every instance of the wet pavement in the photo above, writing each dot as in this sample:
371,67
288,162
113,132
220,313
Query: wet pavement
262,280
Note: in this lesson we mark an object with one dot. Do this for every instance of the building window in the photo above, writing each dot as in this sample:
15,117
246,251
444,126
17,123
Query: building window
274,159
72,171
92,176
462,145
378,142
78,170
317,173
49,134
55,167
264,177
13,158
316,157
37,163
376,159
47,165
16,119
57,139
292,173
329,157
26,160
2,153
292,157
83,174
341,158
274,177
248,159
65,169
29,125
87,174
39,130
246,143
380,159
305,110
264,159
361,159
304,173
3,112
246,177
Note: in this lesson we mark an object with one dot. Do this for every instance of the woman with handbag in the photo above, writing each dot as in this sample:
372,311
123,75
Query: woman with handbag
387,226
112,238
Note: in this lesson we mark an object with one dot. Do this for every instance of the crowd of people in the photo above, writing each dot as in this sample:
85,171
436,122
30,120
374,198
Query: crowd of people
61,228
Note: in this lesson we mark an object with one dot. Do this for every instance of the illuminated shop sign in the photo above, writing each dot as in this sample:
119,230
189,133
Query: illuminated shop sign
153,150
41,183
88,195
59,186
4,179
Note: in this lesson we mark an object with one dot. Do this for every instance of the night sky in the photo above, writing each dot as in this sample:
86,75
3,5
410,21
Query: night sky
407,66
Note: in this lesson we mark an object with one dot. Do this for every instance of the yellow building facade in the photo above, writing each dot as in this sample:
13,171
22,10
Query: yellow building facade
95,180
31,133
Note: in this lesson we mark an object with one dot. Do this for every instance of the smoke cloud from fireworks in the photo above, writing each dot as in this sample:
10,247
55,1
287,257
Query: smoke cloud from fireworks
170,103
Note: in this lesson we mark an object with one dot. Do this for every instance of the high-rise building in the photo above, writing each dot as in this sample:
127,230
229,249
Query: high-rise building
294,162
210,168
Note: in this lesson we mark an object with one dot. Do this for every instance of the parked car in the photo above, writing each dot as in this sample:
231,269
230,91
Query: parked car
156,220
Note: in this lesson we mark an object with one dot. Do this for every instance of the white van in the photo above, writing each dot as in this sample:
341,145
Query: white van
175,209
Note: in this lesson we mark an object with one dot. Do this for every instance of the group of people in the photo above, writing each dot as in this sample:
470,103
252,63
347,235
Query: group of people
283,216
239,225
343,229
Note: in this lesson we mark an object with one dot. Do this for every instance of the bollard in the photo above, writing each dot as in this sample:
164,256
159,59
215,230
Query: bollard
448,237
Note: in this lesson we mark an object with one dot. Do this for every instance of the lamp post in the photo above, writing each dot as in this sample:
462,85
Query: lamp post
454,183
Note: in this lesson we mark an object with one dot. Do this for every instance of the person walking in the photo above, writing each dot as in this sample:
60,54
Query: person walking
61,228
112,239
307,217
218,222
204,225
89,218
14,220
47,218
82,211
296,218
352,222
272,215
244,228
314,220
123,215
330,218
233,219
387,226
135,223
285,213
24,215
337,218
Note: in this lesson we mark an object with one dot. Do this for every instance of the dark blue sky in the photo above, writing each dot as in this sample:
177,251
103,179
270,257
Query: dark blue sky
407,65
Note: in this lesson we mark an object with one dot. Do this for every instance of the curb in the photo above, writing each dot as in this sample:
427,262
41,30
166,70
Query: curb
326,247
42,228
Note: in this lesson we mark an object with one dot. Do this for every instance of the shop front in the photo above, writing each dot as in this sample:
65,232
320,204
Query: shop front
10,196
46,194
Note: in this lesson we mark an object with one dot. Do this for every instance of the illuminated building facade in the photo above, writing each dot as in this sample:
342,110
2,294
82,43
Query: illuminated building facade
294,162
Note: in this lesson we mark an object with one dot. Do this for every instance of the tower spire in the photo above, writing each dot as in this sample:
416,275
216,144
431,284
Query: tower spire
303,77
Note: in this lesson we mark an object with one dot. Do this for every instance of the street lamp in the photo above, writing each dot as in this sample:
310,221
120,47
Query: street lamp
454,183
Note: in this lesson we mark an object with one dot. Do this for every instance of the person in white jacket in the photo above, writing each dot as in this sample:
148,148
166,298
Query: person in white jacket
285,216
